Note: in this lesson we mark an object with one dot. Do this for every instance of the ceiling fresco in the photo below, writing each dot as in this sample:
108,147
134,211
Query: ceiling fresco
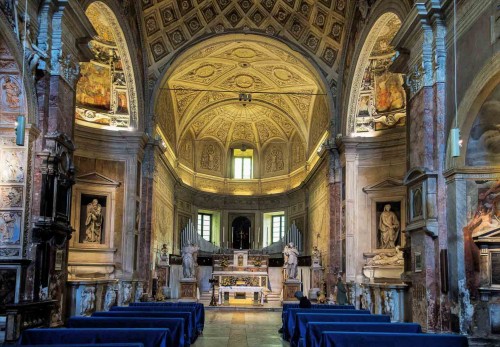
315,26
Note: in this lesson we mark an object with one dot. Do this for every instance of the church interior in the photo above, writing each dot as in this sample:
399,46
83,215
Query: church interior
226,157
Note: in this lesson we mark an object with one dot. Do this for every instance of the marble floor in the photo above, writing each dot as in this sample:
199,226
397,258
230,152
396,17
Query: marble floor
241,329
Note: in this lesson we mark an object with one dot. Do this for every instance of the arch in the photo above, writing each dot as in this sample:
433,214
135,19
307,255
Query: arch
124,43
481,87
297,51
398,8
366,91
15,49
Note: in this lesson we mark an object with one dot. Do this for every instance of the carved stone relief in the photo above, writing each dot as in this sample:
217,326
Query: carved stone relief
210,157
274,159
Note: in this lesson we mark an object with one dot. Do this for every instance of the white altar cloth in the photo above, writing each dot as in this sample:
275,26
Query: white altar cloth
240,289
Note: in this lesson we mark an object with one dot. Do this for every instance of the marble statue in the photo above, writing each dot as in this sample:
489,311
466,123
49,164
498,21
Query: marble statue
291,257
389,228
12,92
163,255
88,299
33,53
110,298
388,258
93,222
139,290
316,257
127,293
188,259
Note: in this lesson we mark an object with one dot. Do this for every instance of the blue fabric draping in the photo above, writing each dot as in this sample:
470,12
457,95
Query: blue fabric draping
286,307
301,320
149,337
199,309
189,326
175,325
138,344
290,317
365,339
314,329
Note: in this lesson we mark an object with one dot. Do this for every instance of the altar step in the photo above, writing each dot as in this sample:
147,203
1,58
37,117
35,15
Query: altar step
272,298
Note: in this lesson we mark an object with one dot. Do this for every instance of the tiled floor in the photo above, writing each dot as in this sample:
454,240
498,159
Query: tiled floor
241,329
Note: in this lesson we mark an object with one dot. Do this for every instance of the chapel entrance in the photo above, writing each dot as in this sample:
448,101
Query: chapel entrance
241,232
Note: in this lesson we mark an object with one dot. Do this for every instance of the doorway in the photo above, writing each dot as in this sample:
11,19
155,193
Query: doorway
241,232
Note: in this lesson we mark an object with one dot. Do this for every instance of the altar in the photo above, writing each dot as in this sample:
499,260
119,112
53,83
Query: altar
241,289
239,273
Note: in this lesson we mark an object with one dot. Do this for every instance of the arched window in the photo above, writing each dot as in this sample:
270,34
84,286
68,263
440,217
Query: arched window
242,163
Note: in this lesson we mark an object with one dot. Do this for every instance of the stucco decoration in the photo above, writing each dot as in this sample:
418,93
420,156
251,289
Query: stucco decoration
106,95
317,26
200,101
484,141
377,98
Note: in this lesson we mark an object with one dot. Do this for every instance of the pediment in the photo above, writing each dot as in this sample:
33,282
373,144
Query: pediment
387,184
97,179
487,235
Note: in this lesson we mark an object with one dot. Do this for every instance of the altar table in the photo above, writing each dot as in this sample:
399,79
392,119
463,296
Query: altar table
240,289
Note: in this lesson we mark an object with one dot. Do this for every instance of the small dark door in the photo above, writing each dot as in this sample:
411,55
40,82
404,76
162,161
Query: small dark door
241,233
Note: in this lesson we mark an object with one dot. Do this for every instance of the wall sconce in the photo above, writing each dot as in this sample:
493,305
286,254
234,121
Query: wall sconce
20,130
456,143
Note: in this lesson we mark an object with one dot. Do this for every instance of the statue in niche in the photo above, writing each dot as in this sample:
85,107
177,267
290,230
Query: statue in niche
12,92
291,257
389,228
110,298
388,258
93,222
316,257
188,259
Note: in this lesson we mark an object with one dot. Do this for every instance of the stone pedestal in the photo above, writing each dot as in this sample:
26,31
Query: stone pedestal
188,289
316,280
289,289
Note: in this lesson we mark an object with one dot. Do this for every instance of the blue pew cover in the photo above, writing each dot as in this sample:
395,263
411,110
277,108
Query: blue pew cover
149,337
364,339
174,325
200,309
193,309
189,327
301,320
137,344
289,322
314,329
286,307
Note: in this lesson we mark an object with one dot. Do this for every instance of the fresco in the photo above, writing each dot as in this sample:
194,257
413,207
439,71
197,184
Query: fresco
94,86
484,142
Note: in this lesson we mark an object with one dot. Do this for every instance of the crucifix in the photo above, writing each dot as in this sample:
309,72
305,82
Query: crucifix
241,238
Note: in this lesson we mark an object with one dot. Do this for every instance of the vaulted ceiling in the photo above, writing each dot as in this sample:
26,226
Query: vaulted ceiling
315,26
205,89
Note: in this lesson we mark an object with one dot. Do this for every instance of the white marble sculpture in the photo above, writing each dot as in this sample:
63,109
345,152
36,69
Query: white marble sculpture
188,259
291,258
93,223
127,293
389,228
139,290
88,301
316,257
394,257
110,298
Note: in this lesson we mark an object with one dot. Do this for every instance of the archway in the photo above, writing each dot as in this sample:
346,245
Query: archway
106,94
377,100
241,232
